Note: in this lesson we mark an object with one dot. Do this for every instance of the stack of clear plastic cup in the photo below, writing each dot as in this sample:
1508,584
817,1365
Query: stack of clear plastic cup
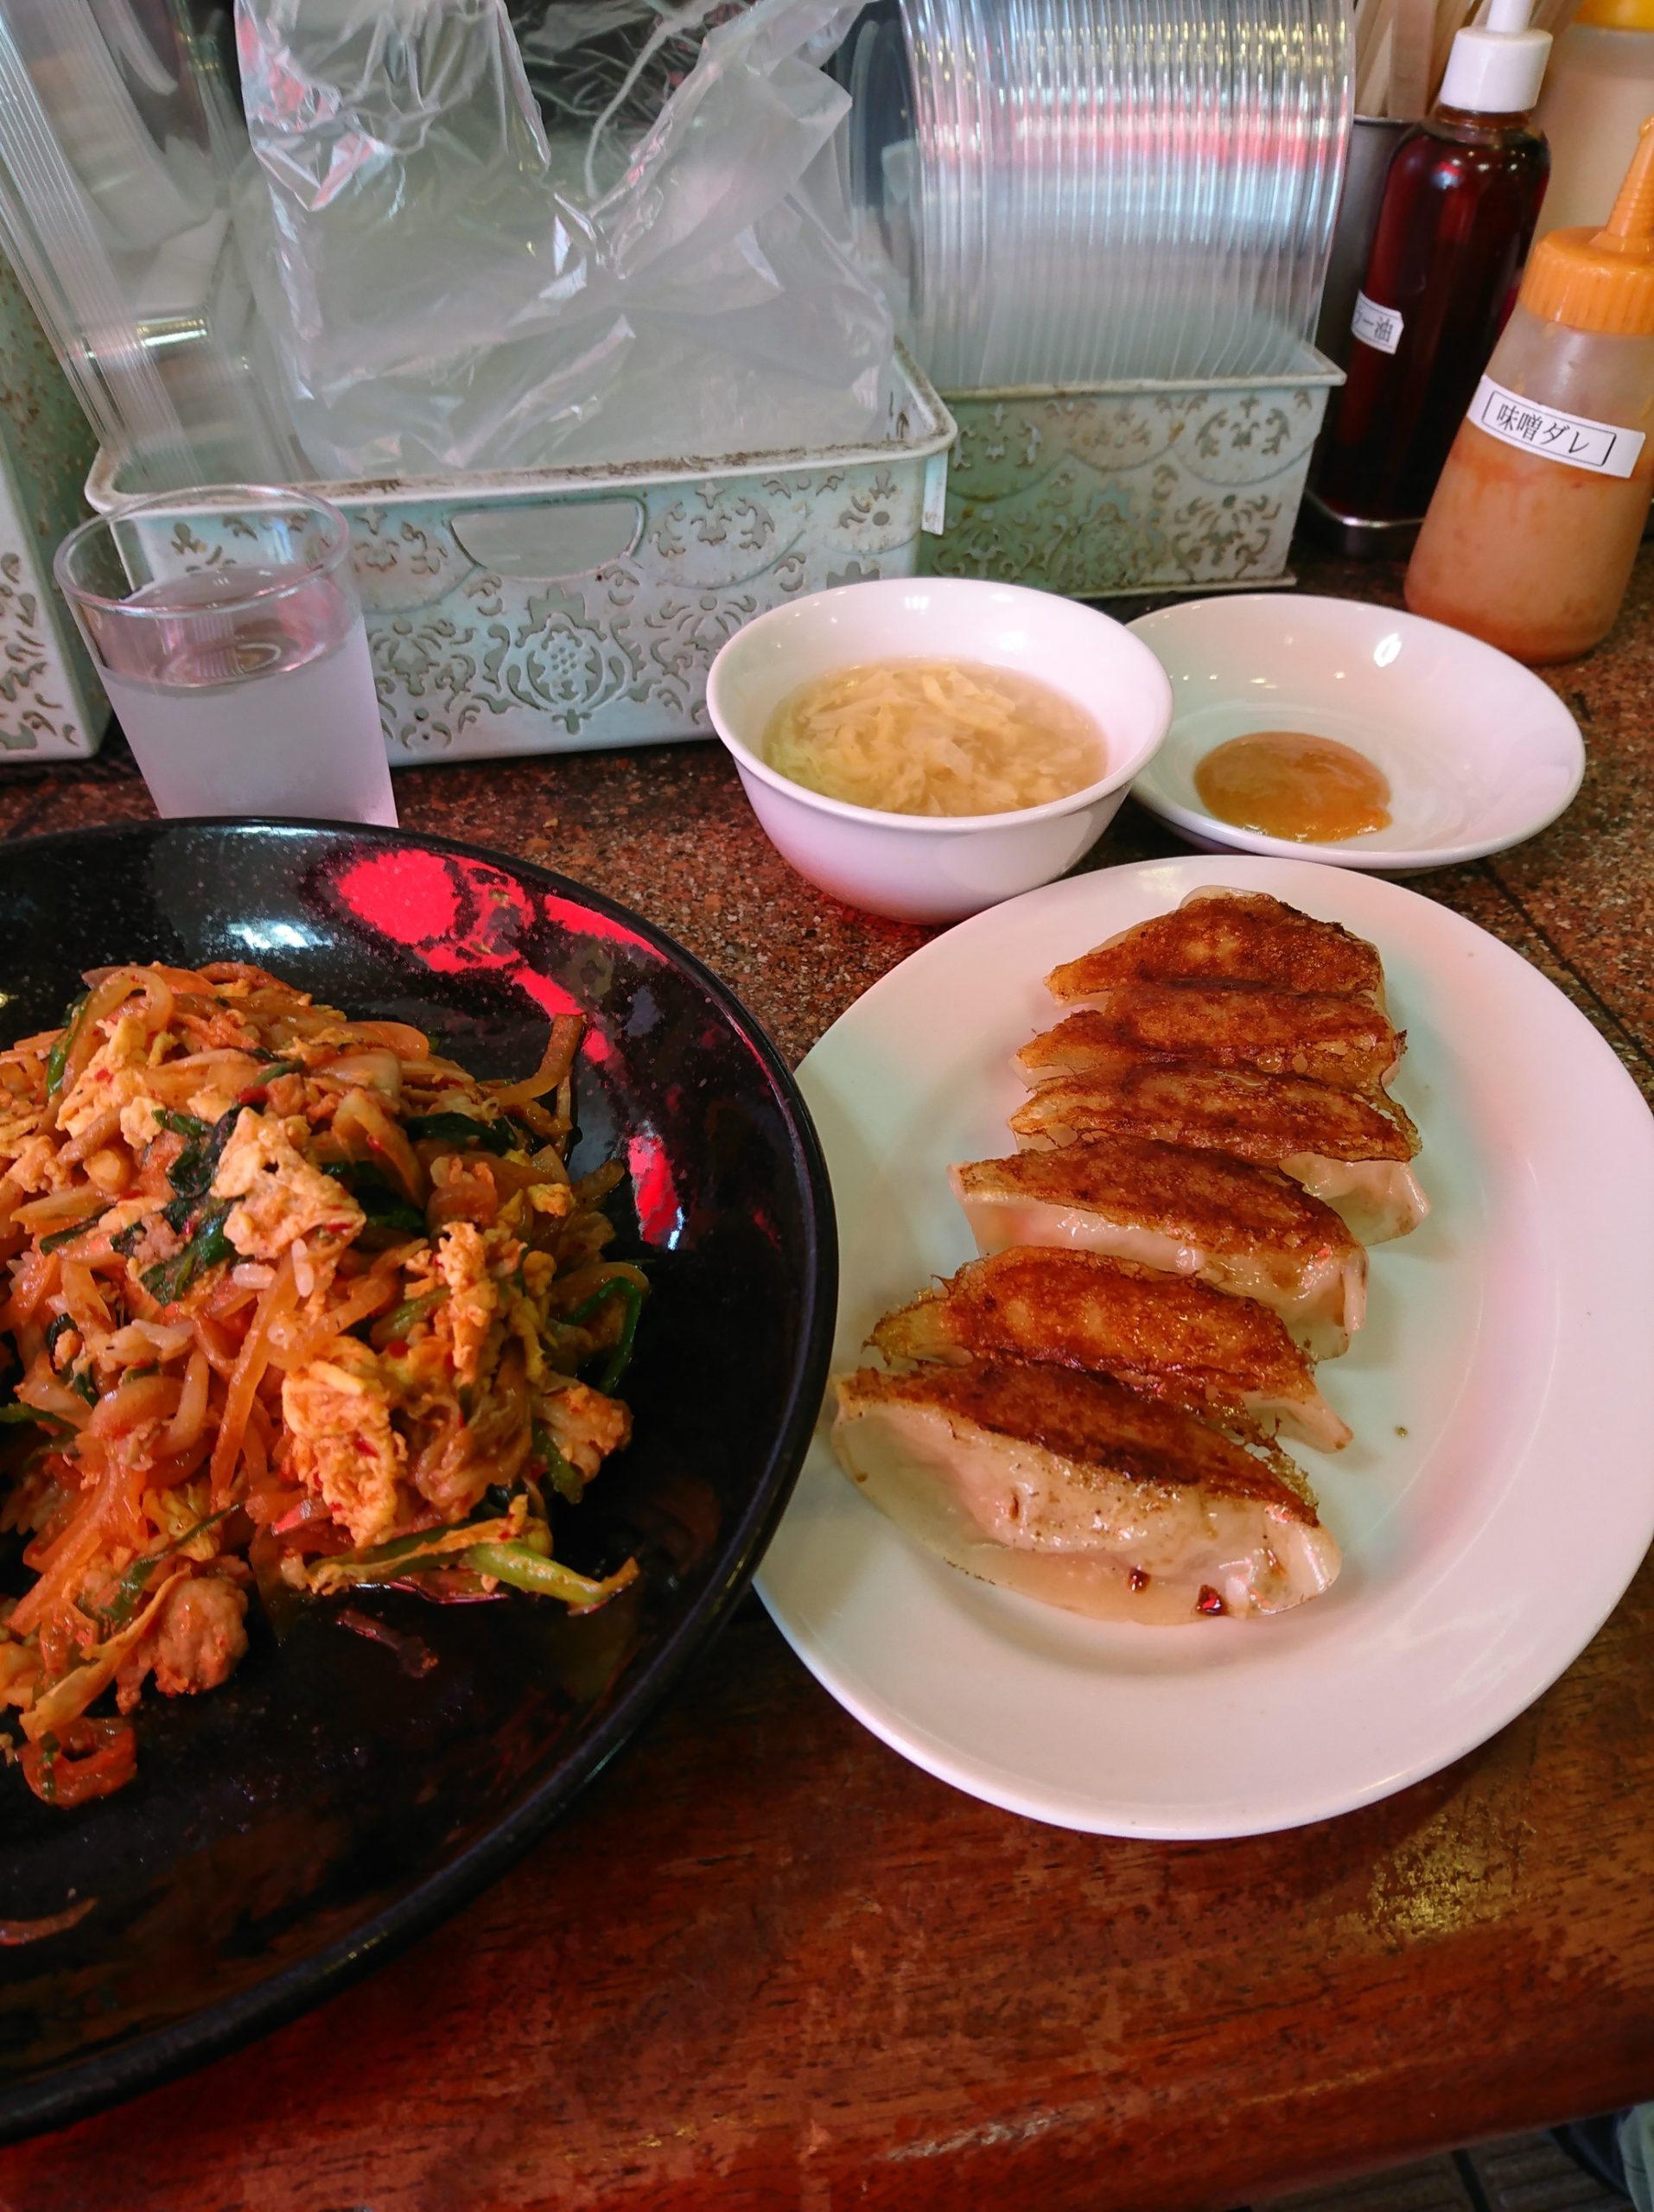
1078,192
118,144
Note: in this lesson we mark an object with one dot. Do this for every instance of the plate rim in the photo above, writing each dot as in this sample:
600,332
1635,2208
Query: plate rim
155,2056
1386,860
931,1754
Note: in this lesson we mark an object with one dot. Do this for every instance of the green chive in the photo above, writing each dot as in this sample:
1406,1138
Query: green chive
59,1238
14,1415
57,1059
462,1129
620,1357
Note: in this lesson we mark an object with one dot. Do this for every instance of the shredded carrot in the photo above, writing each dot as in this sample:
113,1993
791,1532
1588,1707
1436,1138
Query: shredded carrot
78,1544
279,1298
34,1277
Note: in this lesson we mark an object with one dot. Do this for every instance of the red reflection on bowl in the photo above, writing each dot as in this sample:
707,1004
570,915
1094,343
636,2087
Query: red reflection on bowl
573,917
660,1212
460,915
554,1000
412,897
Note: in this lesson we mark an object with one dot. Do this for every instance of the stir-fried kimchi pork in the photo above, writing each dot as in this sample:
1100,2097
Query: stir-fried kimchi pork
286,1299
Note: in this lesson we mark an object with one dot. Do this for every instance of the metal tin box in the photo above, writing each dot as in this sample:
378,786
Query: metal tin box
1130,487
52,706
561,610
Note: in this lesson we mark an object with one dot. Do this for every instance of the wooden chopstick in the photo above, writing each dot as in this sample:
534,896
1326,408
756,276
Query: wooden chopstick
1371,55
1412,41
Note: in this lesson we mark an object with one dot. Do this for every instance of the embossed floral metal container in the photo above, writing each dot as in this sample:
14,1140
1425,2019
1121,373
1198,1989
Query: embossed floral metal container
52,706
566,609
1128,487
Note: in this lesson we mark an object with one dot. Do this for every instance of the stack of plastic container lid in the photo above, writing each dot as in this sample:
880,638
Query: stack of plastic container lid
1077,192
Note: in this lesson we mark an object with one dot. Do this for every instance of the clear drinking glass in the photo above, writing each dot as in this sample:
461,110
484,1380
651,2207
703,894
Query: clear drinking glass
226,629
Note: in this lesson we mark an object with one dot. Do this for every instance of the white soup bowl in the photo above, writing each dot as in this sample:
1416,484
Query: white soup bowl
936,868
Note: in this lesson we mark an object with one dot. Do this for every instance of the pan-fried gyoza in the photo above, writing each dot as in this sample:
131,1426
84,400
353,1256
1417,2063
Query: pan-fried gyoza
1071,1488
1090,1411
1246,1231
1219,936
1345,1043
1351,1153
1164,1336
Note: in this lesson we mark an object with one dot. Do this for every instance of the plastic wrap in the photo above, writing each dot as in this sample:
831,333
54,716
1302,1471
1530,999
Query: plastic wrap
450,288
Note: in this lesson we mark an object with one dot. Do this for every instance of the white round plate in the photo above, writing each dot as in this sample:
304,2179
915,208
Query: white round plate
1499,1494
1478,752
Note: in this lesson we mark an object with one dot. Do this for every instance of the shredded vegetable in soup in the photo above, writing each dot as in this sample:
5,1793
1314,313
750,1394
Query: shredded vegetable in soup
291,1303
934,737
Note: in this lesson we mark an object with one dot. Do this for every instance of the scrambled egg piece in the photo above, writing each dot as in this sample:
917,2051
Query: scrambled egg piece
339,1441
473,1300
37,1167
282,1196
112,1076
139,1124
18,1124
584,1424
210,1105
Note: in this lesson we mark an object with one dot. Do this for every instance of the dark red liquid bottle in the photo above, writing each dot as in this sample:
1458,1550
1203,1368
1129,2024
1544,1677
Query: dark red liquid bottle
1460,202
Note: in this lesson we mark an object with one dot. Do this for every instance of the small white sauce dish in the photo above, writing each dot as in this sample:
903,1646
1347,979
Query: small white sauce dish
926,868
1479,752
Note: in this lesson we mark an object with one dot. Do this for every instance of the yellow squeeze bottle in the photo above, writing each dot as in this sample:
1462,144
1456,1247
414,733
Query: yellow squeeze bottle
1530,538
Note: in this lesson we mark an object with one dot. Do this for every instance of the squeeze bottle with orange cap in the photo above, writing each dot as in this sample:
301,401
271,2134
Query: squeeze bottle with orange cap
1530,538
1598,88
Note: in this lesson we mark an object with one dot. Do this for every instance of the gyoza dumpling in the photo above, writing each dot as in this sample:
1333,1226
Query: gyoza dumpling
1345,1043
1073,1491
1245,1230
1346,1151
1168,1335
1234,936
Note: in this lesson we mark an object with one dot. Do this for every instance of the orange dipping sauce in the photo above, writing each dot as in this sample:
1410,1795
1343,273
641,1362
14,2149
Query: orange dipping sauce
1284,783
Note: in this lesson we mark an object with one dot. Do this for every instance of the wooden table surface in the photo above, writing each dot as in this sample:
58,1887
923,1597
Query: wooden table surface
765,1963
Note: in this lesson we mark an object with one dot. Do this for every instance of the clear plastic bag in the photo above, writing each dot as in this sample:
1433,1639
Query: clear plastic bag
450,288
583,58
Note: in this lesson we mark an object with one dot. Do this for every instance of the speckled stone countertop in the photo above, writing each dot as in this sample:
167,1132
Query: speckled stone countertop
667,830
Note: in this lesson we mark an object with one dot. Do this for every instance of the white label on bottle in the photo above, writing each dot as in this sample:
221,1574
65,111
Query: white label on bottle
1376,326
1602,447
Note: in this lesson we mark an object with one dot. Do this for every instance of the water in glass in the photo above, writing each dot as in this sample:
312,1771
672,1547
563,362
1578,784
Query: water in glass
268,708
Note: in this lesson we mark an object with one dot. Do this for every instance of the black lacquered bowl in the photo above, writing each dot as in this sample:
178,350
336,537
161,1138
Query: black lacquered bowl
328,1803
